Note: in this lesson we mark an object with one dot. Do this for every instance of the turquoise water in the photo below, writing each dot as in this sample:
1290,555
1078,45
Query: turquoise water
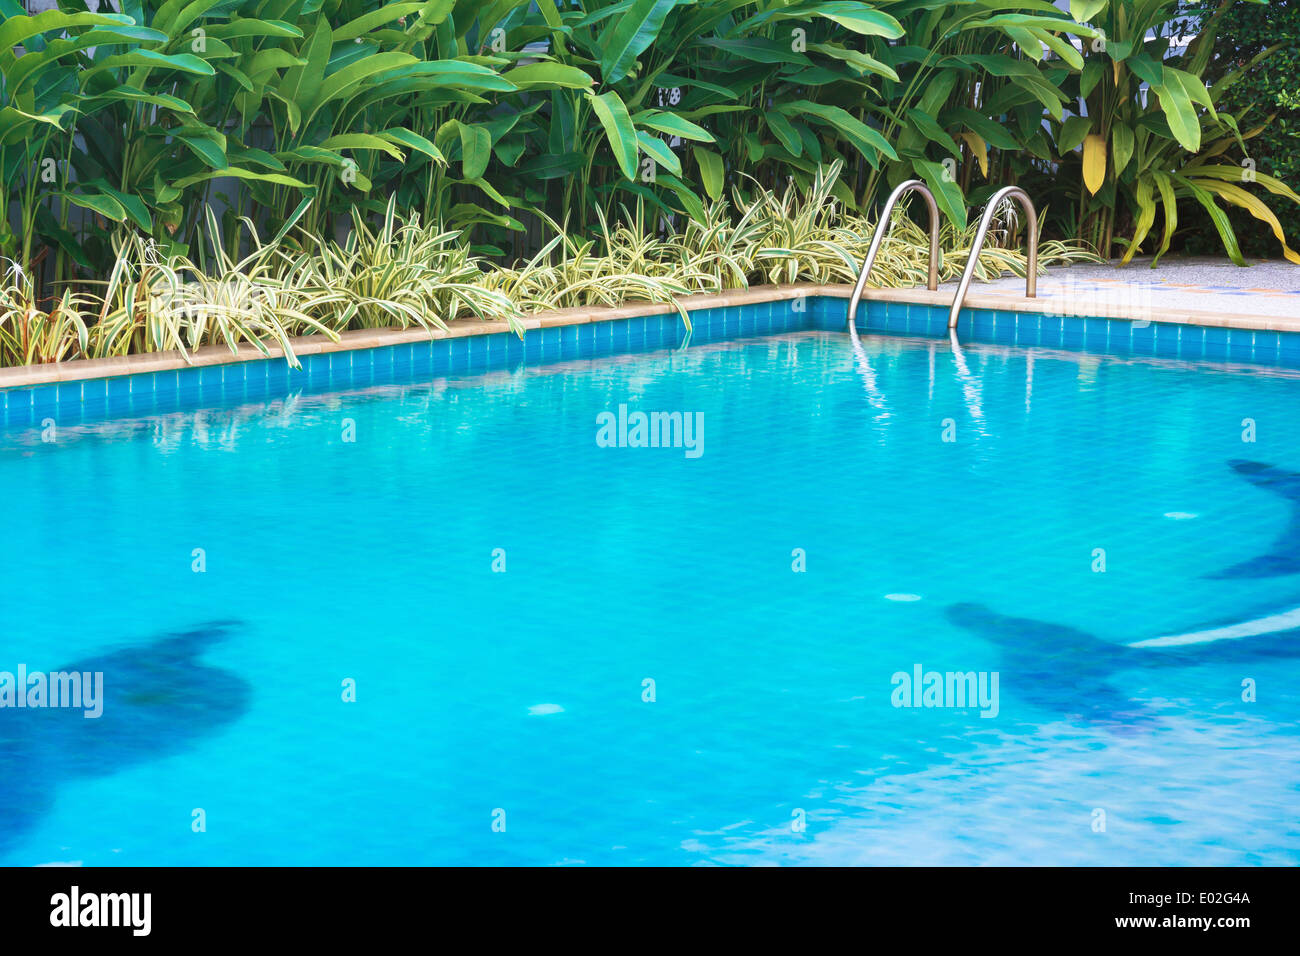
484,695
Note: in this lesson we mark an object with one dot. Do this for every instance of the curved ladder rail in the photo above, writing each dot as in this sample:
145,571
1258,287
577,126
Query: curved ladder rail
878,238
1031,273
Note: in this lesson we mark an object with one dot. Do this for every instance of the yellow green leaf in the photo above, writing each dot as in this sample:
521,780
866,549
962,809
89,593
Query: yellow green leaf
980,150
1094,162
1255,206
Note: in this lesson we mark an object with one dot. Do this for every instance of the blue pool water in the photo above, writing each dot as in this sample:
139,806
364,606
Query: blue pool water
484,696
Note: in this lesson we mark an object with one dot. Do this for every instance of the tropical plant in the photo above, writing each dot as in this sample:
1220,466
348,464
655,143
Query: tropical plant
29,335
399,274
155,301
491,119
407,273
1266,96
526,128
1151,135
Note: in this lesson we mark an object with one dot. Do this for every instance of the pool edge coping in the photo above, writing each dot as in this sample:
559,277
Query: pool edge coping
23,376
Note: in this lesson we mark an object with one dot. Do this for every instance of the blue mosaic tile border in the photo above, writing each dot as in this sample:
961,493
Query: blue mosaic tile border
155,392
1112,336
152,393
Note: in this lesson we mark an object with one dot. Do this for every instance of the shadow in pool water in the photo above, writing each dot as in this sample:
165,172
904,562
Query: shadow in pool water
1068,671
158,699
1065,670
1284,557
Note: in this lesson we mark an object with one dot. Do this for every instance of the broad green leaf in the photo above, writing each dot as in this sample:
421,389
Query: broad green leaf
1084,10
1061,47
361,141
239,76
711,171
1028,77
205,145
947,193
292,112
758,49
509,150
342,83
488,188
105,205
133,206
1026,41
415,141
862,62
1119,49
246,154
658,150
533,75
685,195
376,18
1218,217
120,94
266,62
669,80
861,18
279,179
1056,23
162,192
868,141
175,16
784,131
310,154
1091,76
38,63
995,134
15,30
449,74
185,62
1149,71
928,127
613,116
552,165
1194,88
301,84
630,36
16,126
475,150
251,27
1181,115
1073,131
937,92
1121,146
672,124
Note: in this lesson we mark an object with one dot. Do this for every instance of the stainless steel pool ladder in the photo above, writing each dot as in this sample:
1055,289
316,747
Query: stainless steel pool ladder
932,283
878,238
1031,272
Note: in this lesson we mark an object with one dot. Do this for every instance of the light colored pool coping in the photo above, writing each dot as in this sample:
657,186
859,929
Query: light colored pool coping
81,369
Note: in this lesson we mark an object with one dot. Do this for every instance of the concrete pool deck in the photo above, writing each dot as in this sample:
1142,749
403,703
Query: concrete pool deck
1265,288
1204,292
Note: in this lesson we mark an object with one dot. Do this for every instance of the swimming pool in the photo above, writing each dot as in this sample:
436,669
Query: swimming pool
565,649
